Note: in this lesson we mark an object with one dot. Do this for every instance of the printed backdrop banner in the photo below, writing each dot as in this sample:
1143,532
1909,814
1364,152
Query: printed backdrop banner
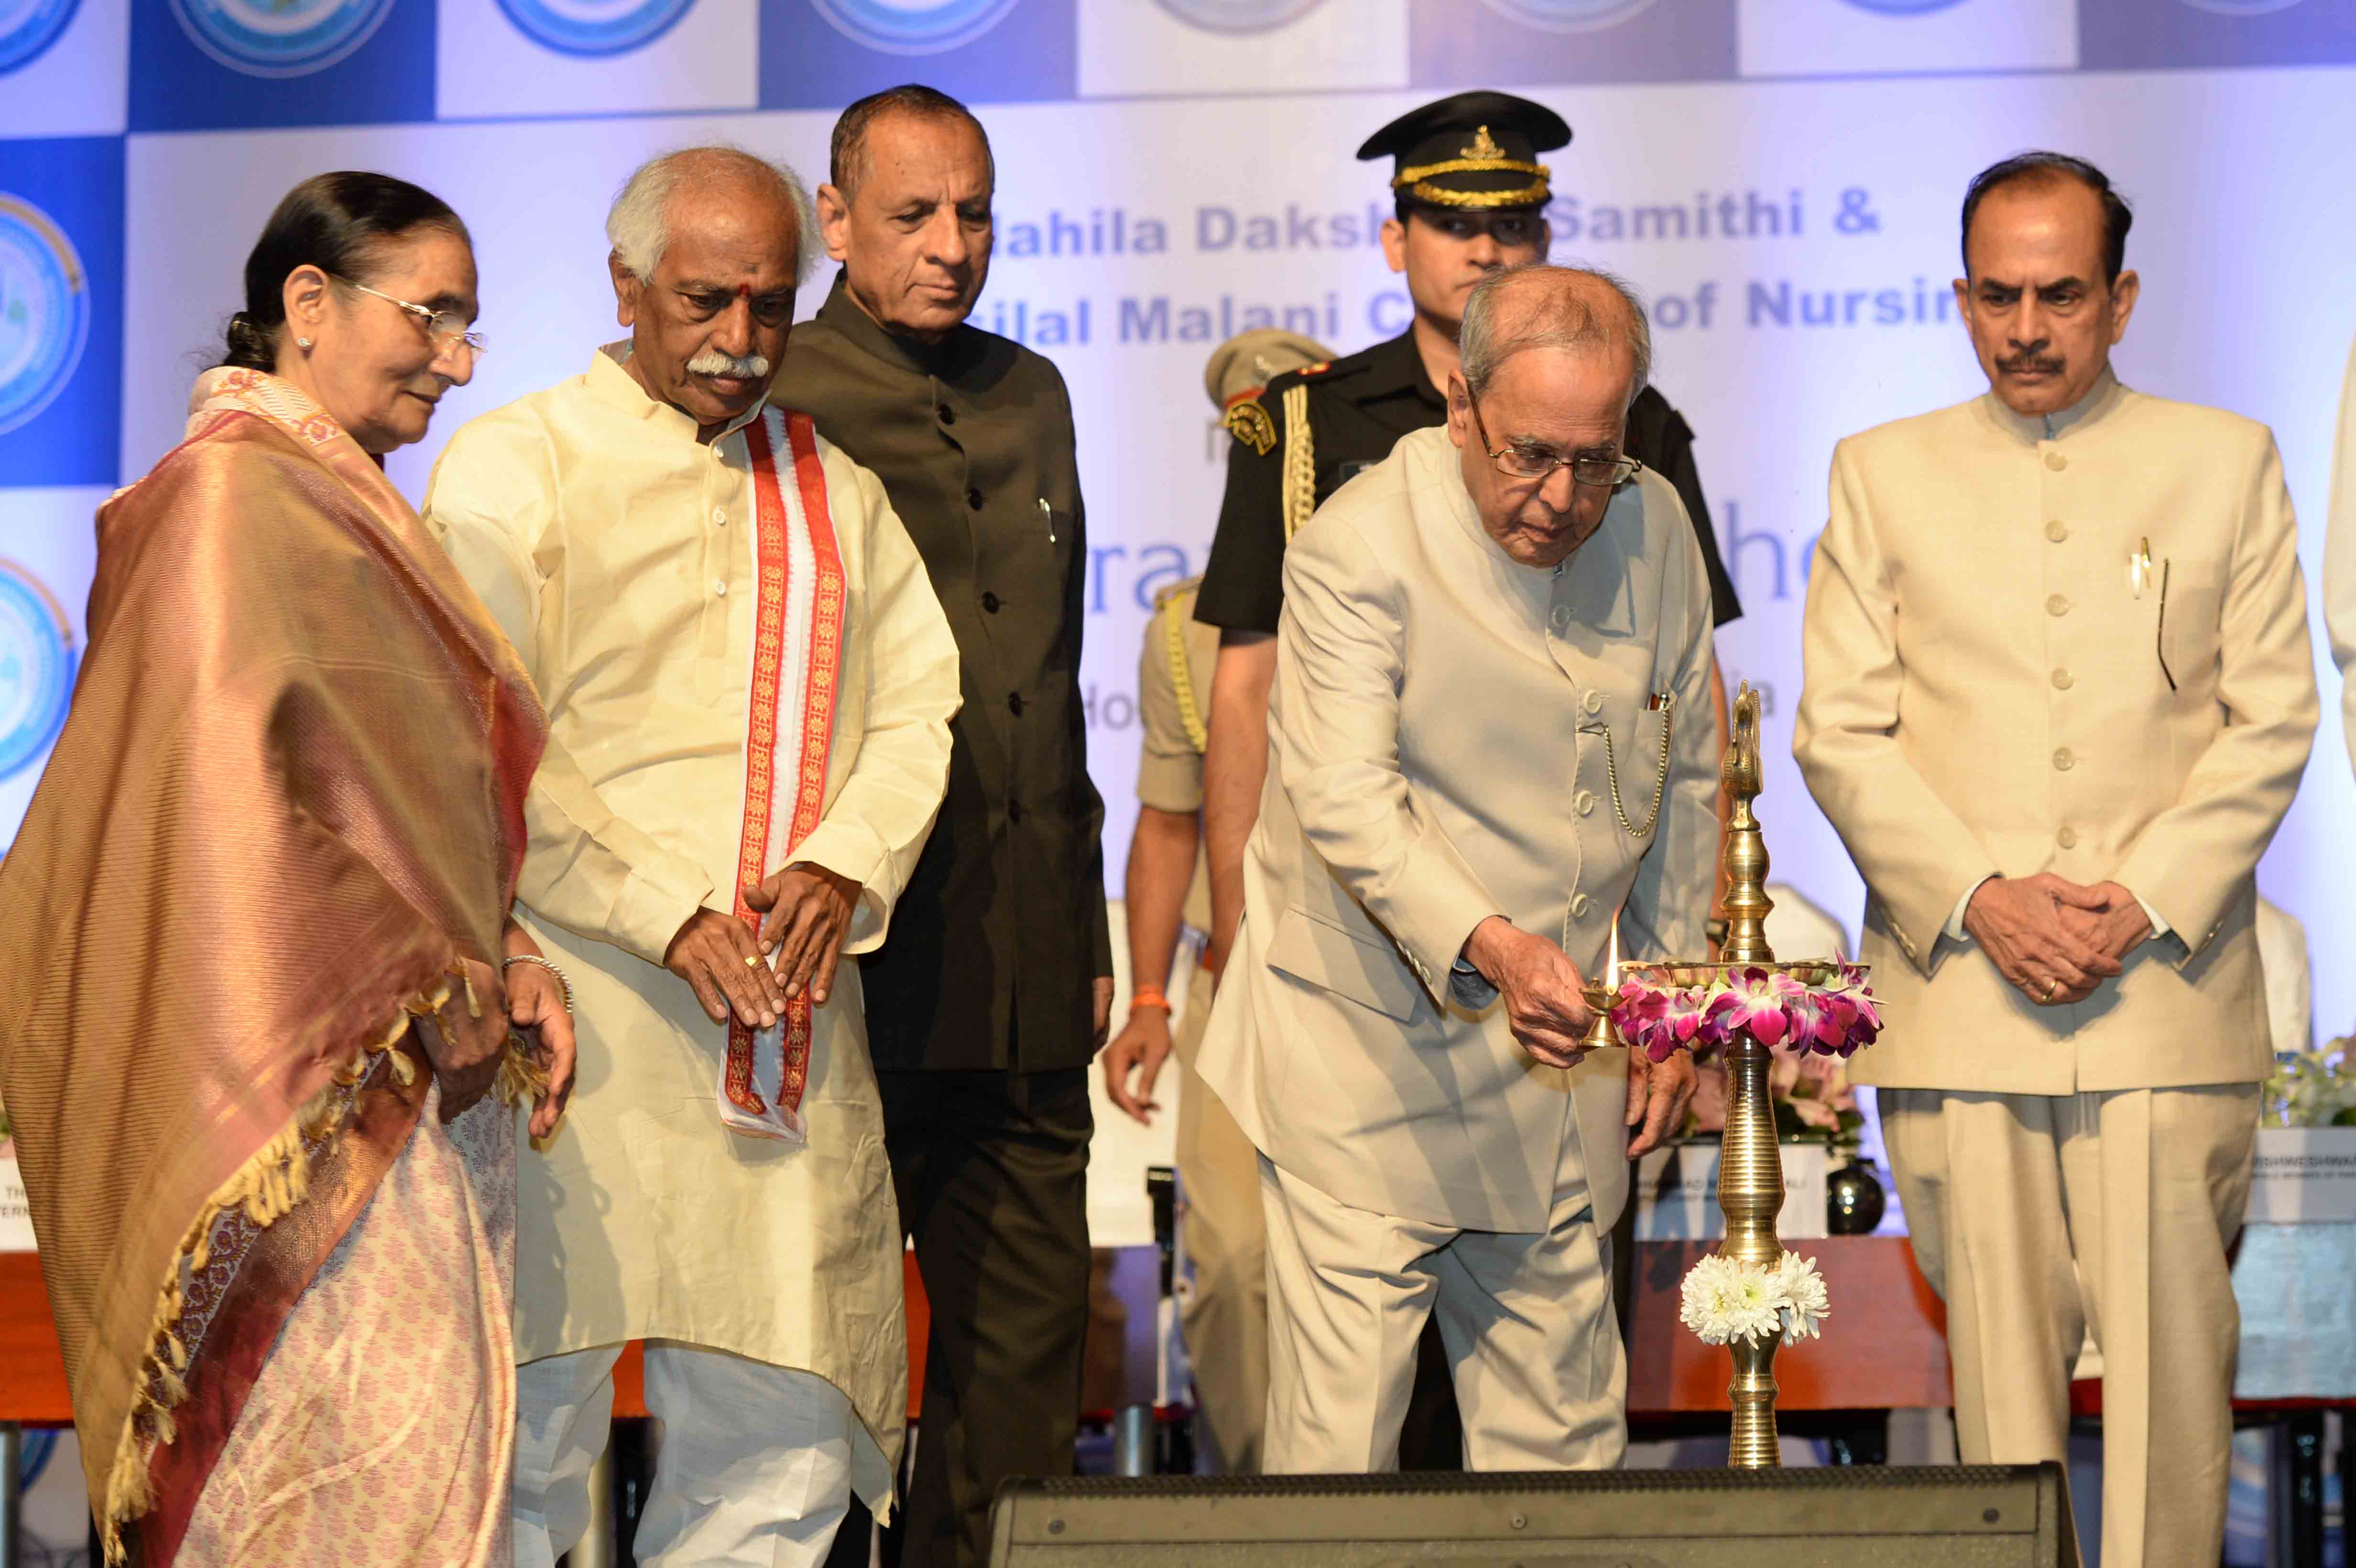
1780,177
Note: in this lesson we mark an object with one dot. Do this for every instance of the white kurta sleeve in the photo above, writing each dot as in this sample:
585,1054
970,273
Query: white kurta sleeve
1334,720
2191,860
876,825
491,501
1918,857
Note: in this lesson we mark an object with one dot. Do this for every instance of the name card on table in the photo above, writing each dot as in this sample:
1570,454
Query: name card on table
2304,1175
16,1213
1676,1193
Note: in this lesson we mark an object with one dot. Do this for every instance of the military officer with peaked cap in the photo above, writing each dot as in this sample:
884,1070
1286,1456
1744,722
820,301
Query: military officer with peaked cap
1471,198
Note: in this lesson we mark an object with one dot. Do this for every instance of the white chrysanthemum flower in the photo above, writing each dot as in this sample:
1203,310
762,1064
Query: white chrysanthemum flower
1723,1299
1702,1300
1801,1293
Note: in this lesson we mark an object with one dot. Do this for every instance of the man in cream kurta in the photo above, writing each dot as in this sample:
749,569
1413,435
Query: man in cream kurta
2059,695
613,533
1466,659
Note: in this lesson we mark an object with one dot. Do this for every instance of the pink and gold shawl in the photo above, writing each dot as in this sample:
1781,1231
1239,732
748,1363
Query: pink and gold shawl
288,798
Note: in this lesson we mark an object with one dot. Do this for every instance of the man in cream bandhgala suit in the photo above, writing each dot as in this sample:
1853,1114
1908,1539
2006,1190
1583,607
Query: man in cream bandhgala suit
2058,694
1475,633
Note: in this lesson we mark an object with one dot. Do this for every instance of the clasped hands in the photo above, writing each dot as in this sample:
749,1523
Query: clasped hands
466,1047
805,912
2054,939
1549,1016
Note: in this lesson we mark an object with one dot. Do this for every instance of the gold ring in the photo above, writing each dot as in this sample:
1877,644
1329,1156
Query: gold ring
752,961
2052,986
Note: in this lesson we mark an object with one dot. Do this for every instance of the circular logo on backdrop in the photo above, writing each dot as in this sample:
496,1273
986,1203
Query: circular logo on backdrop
1239,16
280,38
44,311
1567,15
913,27
1904,7
28,26
595,27
36,667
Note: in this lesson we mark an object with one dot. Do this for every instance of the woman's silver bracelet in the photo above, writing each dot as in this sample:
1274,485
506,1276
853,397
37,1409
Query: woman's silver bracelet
536,960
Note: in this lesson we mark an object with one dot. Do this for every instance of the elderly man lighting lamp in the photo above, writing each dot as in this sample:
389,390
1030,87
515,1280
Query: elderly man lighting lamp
1443,844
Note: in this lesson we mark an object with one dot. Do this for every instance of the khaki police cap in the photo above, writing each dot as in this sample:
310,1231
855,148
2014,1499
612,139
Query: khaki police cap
1251,360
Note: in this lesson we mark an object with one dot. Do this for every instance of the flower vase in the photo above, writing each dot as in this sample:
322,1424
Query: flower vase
1854,1200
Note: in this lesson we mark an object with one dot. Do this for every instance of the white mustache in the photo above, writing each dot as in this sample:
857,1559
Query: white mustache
712,362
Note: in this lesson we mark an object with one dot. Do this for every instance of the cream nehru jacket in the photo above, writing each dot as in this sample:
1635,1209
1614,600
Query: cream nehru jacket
1438,755
1998,684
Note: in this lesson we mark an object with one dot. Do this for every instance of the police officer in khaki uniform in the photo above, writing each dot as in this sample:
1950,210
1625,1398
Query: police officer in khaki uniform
1225,1308
2059,696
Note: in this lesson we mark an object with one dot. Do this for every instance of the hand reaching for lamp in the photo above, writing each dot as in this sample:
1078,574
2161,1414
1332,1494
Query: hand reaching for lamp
1541,989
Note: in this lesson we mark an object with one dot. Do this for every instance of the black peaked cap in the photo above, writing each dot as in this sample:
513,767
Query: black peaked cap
1476,150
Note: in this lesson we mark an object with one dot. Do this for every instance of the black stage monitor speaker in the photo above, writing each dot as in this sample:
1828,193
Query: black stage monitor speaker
1983,1516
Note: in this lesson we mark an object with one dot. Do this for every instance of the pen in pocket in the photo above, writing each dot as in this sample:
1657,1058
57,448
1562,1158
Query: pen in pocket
2160,638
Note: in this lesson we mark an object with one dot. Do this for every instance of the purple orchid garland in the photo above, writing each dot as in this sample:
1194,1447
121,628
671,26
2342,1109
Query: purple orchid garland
1837,1019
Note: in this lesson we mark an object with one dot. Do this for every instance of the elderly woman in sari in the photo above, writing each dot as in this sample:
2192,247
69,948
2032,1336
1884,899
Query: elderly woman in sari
257,977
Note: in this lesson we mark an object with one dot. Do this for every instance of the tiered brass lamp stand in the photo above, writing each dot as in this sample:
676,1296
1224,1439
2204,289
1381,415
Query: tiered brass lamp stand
1751,1170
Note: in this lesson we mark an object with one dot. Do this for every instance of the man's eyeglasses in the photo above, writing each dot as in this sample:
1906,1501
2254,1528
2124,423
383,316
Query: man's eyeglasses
444,328
1596,473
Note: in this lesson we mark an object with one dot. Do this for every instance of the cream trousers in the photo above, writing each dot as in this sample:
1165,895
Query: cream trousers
1224,1308
2047,1220
1541,1378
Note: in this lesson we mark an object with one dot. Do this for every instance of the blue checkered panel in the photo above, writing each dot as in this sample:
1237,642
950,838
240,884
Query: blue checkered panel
1571,41
61,310
2131,35
206,65
820,54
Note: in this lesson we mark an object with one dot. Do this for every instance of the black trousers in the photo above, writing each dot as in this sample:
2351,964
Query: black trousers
991,1169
